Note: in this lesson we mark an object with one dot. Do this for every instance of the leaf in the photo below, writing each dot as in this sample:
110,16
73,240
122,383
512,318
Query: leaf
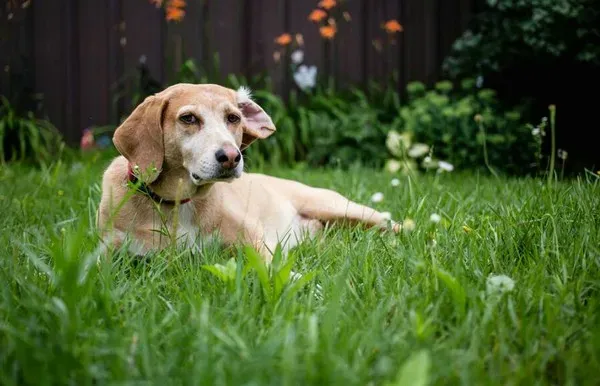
458,292
299,283
255,262
414,371
217,270
282,277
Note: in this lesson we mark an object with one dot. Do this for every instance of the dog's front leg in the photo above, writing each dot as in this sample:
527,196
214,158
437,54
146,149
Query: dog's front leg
139,242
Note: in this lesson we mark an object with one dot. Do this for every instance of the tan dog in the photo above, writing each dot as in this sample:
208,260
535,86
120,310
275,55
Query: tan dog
182,149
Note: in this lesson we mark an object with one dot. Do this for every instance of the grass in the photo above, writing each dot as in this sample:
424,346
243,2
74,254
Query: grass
394,310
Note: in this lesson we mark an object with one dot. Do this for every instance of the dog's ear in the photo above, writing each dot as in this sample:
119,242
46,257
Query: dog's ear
258,124
140,138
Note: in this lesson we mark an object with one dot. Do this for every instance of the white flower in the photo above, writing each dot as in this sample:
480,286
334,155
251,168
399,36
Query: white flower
535,131
435,218
429,163
408,225
562,154
479,81
418,150
297,56
398,143
446,166
306,77
499,284
395,182
377,197
393,166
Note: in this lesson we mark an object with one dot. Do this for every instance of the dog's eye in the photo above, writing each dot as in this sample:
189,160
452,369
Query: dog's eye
188,119
232,118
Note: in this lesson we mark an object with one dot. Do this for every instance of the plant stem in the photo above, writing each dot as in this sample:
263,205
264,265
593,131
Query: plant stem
552,109
485,154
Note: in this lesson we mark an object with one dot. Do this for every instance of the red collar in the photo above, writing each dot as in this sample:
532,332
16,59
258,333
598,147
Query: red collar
146,190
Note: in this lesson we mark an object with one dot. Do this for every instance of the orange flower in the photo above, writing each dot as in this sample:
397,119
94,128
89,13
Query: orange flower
392,26
317,15
327,4
283,39
175,14
328,31
175,10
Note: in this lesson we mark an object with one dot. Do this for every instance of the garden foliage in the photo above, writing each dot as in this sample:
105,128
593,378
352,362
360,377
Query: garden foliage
510,32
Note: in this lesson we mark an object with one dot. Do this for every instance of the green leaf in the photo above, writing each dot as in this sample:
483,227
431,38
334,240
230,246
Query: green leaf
256,262
456,289
414,371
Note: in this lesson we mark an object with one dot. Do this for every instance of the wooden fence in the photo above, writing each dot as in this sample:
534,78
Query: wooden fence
75,52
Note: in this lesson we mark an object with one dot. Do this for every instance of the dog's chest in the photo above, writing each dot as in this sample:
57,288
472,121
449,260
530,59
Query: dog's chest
187,225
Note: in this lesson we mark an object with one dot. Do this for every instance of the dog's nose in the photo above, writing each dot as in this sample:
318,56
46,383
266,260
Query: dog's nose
228,156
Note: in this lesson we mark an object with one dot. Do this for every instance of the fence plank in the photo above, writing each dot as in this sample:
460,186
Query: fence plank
7,55
383,48
449,21
377,49
421,43
94,79
184,40
56,64
49,65
226,34
268,20
350,45
315,51
115,32
16,50
142,41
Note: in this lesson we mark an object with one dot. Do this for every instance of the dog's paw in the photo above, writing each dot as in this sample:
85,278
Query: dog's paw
390,224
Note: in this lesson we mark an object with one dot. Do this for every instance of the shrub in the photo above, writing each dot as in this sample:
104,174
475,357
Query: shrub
456,124
328,127
23,137
509,32
544,52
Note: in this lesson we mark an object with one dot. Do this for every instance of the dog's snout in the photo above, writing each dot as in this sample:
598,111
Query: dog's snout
228,156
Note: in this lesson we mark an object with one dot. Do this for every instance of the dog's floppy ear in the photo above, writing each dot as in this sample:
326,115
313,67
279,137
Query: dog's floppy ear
140,138
258,124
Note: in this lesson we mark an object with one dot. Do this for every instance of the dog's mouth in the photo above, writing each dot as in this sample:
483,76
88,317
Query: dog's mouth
223,176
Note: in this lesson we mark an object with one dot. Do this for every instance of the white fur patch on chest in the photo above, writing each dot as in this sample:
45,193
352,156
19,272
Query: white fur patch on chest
187,226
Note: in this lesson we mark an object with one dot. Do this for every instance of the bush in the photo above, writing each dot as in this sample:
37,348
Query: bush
26,138
329,128
544,52
510,32
456,124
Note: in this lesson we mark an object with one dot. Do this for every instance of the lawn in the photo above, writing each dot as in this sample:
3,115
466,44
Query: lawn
403,309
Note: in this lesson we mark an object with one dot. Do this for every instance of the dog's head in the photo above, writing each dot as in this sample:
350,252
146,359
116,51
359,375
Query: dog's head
202,128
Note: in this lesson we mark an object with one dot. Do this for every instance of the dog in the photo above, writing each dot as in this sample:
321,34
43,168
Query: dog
180,178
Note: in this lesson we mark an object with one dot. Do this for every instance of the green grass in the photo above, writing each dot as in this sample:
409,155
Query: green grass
393,310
